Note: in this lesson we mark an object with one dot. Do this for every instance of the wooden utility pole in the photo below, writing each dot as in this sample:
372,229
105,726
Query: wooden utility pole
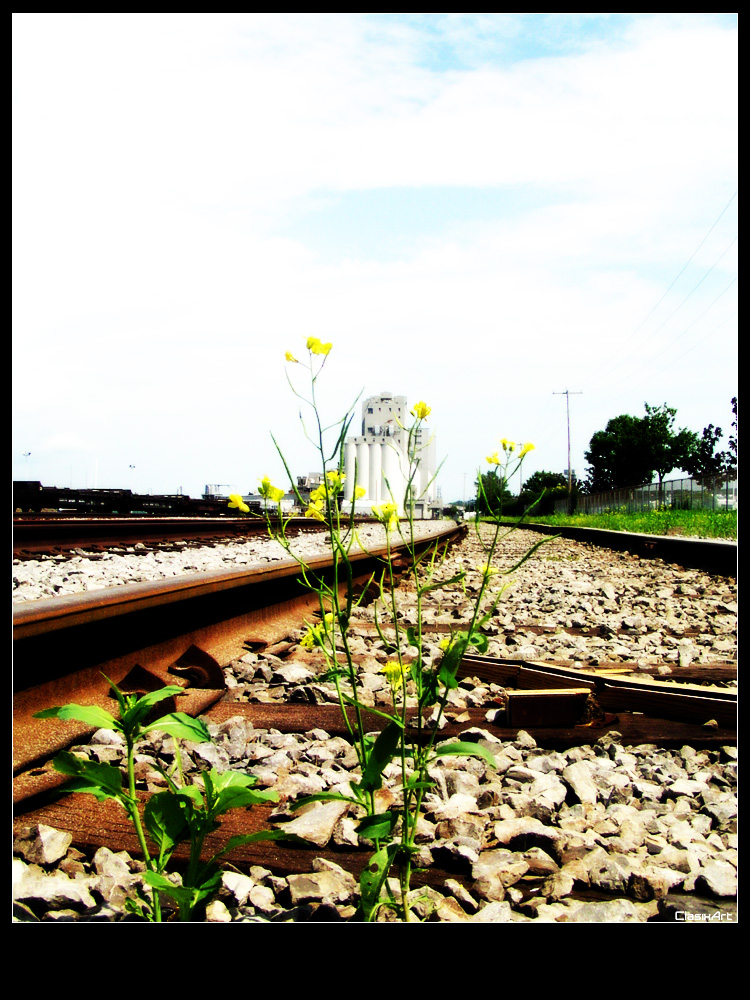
567,395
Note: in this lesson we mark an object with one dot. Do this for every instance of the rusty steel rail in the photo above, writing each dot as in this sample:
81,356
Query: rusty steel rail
711,555
142,635
35,535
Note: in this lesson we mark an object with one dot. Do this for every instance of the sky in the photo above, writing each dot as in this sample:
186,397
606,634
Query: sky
479,211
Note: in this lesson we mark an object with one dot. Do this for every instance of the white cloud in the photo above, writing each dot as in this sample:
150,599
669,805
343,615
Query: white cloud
163,164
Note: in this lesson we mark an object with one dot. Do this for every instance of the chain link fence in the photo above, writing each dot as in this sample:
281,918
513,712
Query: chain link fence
708,493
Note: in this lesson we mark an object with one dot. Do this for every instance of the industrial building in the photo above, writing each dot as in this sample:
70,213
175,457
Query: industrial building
377,459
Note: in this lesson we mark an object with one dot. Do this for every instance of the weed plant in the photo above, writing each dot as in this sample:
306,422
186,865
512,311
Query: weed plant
419,689
184,813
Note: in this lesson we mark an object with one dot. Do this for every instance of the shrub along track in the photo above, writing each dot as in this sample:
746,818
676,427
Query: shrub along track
145,635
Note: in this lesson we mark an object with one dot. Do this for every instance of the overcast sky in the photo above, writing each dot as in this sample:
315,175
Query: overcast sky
480,211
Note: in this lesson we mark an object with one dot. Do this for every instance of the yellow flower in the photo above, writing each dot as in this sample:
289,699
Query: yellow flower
315,510
387,514
316,634
235,500
336,479
526,449
507,445
395,674
270,492
493,458
359,492
312,637
315,347
488,572
290,357
421,410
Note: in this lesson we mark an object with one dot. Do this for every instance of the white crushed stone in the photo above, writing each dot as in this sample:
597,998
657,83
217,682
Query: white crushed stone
56,576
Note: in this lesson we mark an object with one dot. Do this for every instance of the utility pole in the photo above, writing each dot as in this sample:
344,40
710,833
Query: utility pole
567,395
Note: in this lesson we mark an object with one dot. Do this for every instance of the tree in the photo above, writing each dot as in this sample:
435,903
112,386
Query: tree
731,455
668,450
705,463
542,490
631,449
539,481
617,456
493,494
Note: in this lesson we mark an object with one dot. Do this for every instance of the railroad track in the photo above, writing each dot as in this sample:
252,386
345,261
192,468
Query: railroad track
149,633
712,555
35,535
143,636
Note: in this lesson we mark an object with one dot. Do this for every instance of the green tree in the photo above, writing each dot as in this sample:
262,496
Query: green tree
617,456
668,449
731,455
705,462
494,495
632,449
543,490
542,480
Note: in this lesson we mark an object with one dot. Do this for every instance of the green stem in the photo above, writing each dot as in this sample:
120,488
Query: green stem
136,820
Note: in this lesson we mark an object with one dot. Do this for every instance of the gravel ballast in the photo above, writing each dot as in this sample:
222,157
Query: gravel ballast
81,571
598,833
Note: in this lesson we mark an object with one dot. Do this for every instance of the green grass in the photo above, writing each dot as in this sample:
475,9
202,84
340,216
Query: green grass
701,523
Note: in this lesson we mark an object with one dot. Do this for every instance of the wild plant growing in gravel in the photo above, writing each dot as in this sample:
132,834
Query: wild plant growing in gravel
419,688
181,814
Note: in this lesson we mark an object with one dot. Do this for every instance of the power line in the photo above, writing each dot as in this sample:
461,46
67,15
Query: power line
696,287
674,282
653,358
615,357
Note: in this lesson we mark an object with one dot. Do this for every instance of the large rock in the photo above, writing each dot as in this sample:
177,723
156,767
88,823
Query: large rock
578,777
43,845
53,892
717,879
316,821
328,883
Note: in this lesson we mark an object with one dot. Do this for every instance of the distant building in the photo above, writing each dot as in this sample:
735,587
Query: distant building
306,484
377,459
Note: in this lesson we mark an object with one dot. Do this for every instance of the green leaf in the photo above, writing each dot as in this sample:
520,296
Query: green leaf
373,877
430,691
165,820
193,796
480,641
121,701
381,754
183,726
531,552
415,783
442,583
379,826
240,798
184,895
250,838
90,714
136,713
207,887
322,797
100,780
465,749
